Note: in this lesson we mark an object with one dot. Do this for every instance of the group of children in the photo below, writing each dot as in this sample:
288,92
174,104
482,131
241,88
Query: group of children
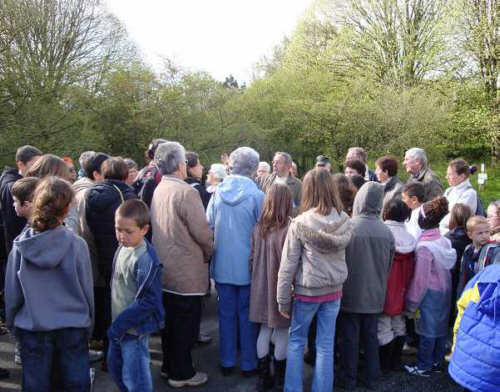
300,271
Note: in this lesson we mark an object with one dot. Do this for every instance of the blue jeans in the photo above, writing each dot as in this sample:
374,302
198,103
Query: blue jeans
302,315
128,363
234,305
430,351
55,360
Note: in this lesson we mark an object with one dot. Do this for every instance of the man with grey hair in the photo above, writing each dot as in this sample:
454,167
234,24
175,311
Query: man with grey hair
263,169
184,243
415,162
359,154
232,213
282,164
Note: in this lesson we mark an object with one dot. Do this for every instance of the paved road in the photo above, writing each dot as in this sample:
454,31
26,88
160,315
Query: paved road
205,359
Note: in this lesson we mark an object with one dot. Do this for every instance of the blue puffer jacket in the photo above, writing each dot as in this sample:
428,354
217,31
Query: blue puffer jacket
475,363
232,212
146,314
103,199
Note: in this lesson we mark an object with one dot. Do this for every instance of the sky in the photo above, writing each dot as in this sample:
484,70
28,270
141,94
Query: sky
221,37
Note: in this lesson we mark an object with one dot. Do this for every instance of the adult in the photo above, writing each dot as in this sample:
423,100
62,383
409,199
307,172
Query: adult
386,169
49,165
232,213
133,170
294,170
282,163
183,241
71,168
263,169
322,161
493,216
194,174
415,162
215,176
354,167
359,154
460,190
368,257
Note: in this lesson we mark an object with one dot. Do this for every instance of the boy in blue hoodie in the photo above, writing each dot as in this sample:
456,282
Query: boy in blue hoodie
136,299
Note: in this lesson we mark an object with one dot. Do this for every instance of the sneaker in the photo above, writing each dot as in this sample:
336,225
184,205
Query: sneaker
415,371
204,338
95,356
198,379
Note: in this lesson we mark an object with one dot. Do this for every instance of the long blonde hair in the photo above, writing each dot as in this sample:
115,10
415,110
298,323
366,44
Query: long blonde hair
319,192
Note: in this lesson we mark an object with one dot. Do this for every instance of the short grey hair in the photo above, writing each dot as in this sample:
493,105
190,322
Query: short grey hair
417,153
85,157
266,165
244,161
169,156
359,152
286,156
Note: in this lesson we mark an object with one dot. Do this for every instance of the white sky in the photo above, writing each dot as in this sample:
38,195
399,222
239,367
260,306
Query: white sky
221,37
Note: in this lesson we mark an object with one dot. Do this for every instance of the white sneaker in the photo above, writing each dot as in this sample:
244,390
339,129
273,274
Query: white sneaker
198,379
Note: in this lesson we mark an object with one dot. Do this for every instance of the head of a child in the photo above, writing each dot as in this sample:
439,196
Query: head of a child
132,222
115,168
22,191
493,215
413,194
51,202
320,193
459,215
396,210
432,212
278,206
478,230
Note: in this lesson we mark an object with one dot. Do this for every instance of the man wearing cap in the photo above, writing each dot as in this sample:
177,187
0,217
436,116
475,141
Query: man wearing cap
323,162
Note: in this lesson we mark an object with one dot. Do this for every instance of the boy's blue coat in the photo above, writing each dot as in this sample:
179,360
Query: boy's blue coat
146,314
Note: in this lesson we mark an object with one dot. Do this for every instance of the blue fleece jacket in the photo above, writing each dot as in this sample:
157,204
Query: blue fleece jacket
48,283
232,212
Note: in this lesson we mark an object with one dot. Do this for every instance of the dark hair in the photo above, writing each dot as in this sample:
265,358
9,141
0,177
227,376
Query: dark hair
358,181
25,153
278,206
115,168
396,210
319,192
192,159
51,201
49,165
415,189
136,210
347,191
356,165
462,167
388,164
131,164
150,152
433,211
459,215
24,188
95,164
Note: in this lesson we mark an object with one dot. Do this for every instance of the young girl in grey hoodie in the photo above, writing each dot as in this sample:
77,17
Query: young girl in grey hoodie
48,294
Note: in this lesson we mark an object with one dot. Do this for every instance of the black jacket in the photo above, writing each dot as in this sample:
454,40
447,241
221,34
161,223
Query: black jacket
103,199
11,224
204,195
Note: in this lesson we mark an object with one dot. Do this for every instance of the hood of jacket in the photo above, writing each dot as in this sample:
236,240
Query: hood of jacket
9,174
45,249
83,184
440,247
235,189
324,233
368,200
403,240
105,193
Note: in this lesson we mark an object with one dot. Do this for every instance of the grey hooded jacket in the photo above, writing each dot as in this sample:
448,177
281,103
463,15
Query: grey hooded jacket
313,258
369,254
48,282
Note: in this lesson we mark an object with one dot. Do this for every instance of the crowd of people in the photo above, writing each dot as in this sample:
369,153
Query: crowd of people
354,265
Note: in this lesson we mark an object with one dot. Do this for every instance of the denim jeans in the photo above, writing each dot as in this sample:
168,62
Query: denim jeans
302,314
430,351
55,360
234,305
128,363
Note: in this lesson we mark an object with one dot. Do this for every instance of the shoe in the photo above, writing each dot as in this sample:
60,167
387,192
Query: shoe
164,373
385,355
204,338
95,356
198,379
4,373
415,371
437,368
265,380
227,370
279,375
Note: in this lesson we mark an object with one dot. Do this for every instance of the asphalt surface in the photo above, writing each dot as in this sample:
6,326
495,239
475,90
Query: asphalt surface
206,360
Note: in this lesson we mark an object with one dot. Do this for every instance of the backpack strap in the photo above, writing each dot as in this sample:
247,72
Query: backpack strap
120,192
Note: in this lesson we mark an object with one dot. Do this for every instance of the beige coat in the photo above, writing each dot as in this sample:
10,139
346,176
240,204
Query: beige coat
293,183
181,236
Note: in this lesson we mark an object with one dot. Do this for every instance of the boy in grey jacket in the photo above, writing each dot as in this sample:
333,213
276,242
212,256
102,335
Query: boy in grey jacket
368,257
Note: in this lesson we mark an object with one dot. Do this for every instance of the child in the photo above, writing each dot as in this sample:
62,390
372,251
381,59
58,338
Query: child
267,244
493,216
22,192
136,299
479,254
413,194
391,324
49,298
430,289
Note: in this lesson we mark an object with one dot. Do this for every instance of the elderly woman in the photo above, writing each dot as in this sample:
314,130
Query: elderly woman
386,169
415,162
215,176
233,212
184,242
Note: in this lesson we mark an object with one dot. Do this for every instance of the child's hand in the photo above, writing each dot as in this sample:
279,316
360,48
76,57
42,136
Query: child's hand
285,314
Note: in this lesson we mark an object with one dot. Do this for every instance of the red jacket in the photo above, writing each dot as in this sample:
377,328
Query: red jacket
398,281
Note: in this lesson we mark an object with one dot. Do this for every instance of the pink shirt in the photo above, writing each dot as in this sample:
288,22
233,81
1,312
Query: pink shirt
319,298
